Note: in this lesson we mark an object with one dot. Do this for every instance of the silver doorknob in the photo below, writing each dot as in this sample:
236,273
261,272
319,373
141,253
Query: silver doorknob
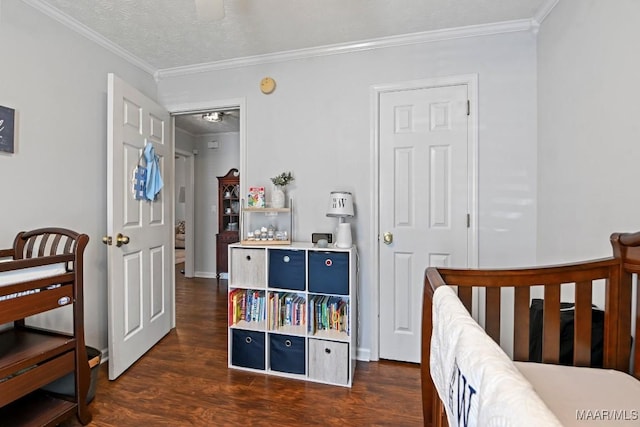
121,239
387,238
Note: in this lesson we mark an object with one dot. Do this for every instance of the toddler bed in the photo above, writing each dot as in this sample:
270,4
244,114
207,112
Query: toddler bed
468,379
42,271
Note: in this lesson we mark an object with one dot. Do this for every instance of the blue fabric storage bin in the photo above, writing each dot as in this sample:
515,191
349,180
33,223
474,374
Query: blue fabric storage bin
247,349
329,272
286,269
287,353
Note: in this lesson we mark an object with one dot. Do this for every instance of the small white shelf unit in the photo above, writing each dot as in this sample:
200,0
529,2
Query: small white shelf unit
252,219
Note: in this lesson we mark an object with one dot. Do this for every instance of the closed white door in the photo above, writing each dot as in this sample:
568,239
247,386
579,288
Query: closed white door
140,256
423,204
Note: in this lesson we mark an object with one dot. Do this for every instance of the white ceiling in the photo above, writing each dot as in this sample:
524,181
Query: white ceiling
165,34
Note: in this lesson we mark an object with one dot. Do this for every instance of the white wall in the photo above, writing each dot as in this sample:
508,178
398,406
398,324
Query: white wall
57,81
317,124
210,164
588,128
186,142
180,183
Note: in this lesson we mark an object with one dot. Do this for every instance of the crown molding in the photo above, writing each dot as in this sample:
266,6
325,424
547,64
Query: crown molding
336,49
292,55
88,33
544,10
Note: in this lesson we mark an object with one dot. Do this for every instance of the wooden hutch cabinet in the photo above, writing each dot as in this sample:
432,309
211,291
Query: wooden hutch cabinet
228,218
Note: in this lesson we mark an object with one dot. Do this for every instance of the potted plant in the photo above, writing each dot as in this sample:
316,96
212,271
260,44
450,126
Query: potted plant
280,183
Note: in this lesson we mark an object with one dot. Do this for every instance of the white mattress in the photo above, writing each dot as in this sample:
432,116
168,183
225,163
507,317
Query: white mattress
26,274
586,396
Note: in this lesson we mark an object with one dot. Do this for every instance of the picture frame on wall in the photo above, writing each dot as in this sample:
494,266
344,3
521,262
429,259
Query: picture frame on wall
7,123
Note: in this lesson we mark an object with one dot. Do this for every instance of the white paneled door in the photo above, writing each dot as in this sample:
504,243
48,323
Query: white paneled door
140,252
424,204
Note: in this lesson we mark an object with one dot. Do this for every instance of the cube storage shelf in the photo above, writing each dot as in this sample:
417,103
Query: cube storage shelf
293,311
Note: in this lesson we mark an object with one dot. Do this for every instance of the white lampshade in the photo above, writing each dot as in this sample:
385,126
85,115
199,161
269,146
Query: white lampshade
340,204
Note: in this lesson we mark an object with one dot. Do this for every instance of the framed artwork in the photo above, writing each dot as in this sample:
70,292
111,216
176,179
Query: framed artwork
7,121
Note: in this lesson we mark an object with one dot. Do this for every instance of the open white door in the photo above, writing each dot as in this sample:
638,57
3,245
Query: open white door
140,256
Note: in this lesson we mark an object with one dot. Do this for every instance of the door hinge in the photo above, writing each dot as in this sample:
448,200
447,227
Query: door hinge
468,107
468,220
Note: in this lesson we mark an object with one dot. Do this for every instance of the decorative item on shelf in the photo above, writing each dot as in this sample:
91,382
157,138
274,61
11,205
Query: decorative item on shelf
280,183
341,206
256,197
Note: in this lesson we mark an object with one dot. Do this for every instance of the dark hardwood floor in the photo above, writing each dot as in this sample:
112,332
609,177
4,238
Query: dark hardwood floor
185,381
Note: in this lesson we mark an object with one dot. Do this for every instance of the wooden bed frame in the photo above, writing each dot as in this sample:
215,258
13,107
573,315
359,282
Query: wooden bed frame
617,271
30,357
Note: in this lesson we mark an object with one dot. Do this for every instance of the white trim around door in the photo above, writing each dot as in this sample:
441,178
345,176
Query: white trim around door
189,210
471,80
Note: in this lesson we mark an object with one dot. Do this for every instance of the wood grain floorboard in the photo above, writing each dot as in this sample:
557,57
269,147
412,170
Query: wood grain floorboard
184,381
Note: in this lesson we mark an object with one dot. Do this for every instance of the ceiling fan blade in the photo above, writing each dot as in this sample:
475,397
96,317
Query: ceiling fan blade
210,10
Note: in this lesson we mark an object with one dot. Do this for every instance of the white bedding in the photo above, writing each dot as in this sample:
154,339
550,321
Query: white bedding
476,380
586,396
26,274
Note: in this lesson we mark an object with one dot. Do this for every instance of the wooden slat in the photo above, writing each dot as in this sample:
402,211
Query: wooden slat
612,319
492,313
55,243
30,245
522,296
465,293
5,253
43,244
582,332
622,315
551,325
68,247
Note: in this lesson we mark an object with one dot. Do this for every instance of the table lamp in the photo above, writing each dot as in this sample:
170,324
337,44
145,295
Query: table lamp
341,206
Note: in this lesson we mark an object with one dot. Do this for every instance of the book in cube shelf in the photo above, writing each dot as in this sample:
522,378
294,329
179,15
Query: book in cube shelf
255,198
246,305
328,313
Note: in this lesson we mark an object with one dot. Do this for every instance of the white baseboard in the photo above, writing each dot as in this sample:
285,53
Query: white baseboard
105,355
363,355
204,274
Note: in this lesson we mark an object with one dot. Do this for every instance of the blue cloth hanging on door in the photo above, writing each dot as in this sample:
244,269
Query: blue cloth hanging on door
154,180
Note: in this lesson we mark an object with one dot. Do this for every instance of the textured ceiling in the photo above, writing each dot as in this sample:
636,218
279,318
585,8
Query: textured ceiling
196,125
168,33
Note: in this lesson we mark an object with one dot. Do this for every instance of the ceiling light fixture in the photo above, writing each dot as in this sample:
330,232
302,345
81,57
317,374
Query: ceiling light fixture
215,116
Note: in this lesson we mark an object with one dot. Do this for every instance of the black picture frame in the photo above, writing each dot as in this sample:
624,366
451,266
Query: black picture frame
7,129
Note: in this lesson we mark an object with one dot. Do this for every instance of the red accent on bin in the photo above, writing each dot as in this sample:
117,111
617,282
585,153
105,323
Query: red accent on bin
328,262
